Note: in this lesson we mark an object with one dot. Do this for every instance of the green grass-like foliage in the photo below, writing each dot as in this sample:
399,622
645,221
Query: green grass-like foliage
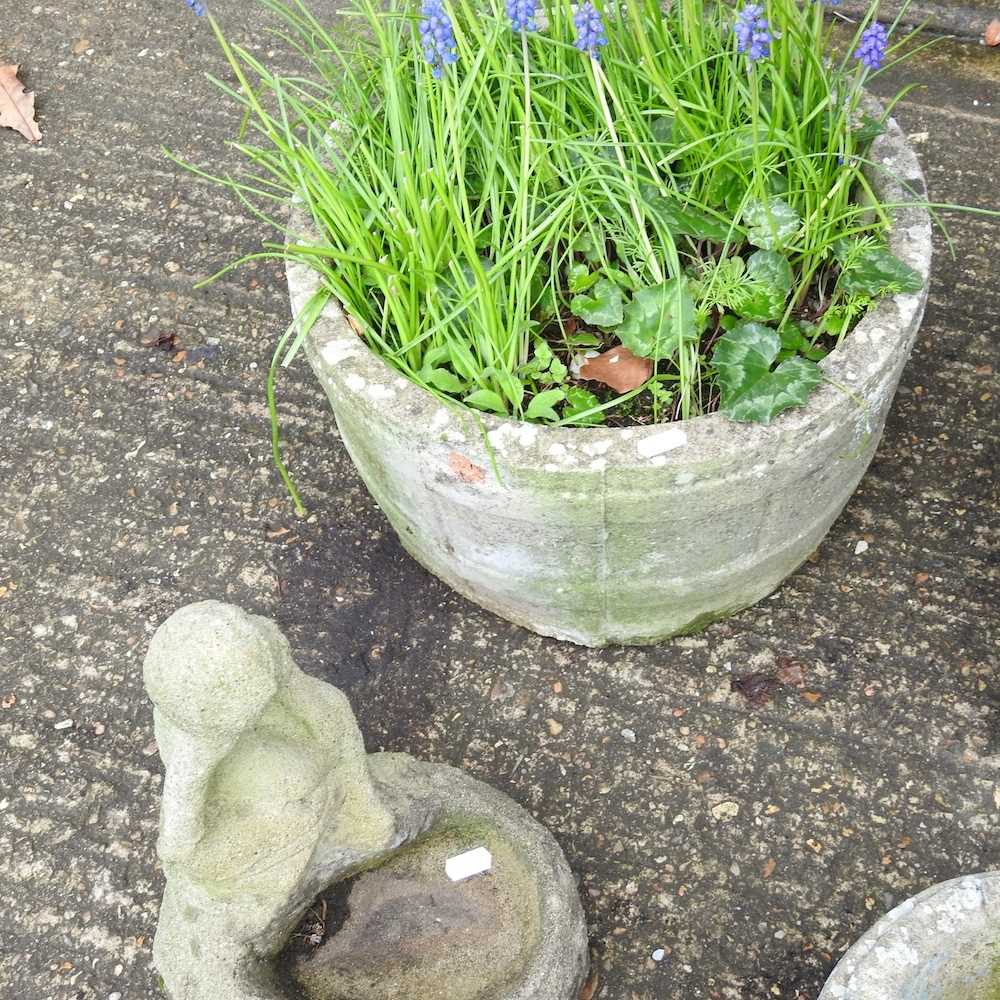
485,223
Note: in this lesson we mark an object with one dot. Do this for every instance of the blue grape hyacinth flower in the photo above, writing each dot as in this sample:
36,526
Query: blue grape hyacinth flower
522,15
874,42
437,37
198,8
590,34
752,33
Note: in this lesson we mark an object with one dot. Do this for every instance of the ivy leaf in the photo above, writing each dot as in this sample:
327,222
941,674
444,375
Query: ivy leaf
769,280
875,271
579,400
603,307
652,317
683,221
541,407
750,390
771,224
486,399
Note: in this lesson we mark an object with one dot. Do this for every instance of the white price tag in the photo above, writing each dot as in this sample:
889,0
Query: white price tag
470,863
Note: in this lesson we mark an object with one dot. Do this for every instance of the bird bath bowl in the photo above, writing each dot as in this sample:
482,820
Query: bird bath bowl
943,944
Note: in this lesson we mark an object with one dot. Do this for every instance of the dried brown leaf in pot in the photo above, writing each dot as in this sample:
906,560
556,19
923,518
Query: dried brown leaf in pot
618,368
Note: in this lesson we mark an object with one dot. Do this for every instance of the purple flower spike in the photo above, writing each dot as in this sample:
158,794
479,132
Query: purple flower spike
874,42
522,15
198,8
437,37
590,34
752,33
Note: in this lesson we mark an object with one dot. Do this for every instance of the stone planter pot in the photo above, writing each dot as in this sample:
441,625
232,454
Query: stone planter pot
627,535
943,944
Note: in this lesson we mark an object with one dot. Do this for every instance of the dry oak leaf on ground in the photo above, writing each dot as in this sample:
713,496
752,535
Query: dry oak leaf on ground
618,368
17,105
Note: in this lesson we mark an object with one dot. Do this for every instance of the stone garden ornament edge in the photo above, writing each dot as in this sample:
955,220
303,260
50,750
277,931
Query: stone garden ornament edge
623,535
933,946
269,798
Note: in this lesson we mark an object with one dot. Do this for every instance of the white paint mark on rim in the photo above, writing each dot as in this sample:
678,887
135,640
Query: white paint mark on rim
377,391
664,441
336,350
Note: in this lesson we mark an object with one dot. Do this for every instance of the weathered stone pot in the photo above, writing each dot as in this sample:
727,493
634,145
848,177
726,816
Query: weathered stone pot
622,535
943,944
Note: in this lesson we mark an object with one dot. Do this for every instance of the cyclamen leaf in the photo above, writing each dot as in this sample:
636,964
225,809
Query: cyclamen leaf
581,278
683,221
876,271
652,317
770,224
603,307
769,280
541,407
662,129
17,105
797,337
750,390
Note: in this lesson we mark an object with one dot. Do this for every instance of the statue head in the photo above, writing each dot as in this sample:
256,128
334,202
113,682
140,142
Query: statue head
212,668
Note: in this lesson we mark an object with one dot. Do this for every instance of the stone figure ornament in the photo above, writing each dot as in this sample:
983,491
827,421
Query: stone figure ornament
269,799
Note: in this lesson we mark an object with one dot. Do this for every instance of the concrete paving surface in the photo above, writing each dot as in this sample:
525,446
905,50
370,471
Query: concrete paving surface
752,844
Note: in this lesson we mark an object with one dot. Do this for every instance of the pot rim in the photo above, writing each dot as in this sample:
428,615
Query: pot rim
852,371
